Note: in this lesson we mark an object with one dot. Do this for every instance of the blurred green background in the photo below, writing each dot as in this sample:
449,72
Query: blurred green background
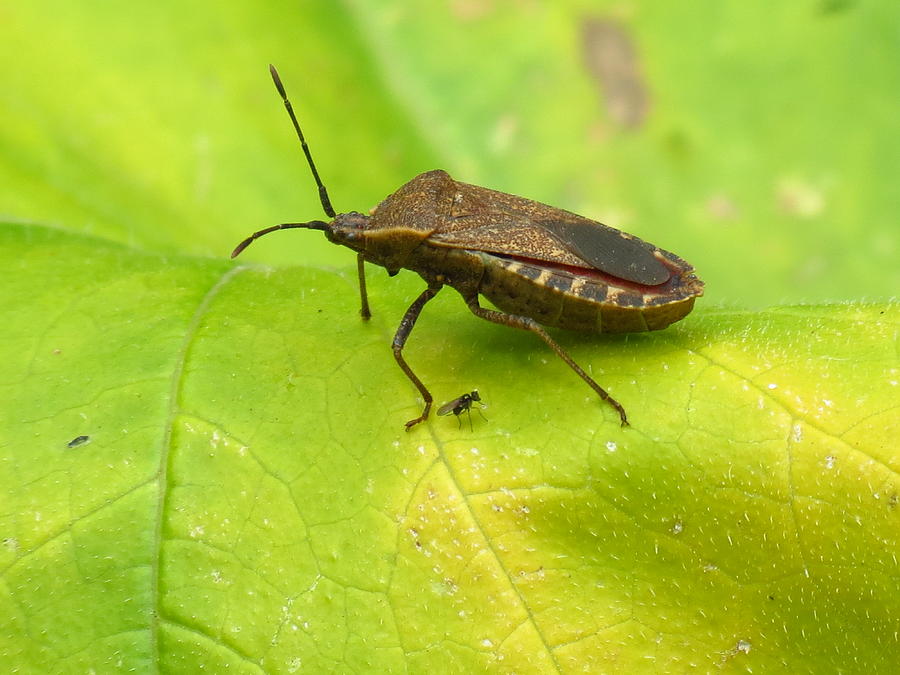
758,140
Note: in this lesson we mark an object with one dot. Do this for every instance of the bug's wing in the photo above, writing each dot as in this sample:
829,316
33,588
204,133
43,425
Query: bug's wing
516,238
494,222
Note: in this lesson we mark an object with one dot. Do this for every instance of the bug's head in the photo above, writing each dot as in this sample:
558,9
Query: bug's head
348,229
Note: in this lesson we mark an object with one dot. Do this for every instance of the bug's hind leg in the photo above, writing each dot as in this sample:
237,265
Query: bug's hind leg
403,331
523,322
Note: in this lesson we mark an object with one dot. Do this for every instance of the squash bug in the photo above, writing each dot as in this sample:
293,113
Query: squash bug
462,404
537,264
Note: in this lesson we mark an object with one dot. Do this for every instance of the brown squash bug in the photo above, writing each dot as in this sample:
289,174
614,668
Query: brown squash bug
462,404
539,265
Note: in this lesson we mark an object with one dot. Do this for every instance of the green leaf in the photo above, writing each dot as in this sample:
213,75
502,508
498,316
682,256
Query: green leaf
248,499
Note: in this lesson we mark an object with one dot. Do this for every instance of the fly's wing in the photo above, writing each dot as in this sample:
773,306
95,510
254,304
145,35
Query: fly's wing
494,222
449,406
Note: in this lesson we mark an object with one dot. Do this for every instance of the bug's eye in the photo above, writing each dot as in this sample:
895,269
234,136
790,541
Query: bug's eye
356,220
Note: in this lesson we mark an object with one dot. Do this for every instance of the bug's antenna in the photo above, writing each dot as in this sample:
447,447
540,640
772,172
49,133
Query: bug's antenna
312,225
323,193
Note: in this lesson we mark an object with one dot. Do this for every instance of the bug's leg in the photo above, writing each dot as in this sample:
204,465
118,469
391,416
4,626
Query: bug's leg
363,296
525,323
403,331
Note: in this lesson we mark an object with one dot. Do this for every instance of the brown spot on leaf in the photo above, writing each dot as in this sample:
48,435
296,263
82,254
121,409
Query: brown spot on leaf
611,59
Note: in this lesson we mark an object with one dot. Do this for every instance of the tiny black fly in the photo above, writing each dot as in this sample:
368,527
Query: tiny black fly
463,404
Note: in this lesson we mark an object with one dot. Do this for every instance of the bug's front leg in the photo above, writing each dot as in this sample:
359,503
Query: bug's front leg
363,296
525,323
403,331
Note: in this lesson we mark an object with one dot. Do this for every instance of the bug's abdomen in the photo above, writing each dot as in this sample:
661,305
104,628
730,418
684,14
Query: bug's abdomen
583,300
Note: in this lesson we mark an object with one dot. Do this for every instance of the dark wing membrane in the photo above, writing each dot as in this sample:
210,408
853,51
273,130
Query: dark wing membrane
610,251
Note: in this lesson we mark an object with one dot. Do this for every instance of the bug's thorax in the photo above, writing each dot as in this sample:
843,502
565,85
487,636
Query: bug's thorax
398,225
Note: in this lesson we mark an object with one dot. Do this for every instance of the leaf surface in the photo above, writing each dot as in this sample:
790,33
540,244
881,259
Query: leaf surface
248,499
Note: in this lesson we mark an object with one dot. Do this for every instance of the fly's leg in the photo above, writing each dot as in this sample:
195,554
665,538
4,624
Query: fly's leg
525,323
403,331
481,413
